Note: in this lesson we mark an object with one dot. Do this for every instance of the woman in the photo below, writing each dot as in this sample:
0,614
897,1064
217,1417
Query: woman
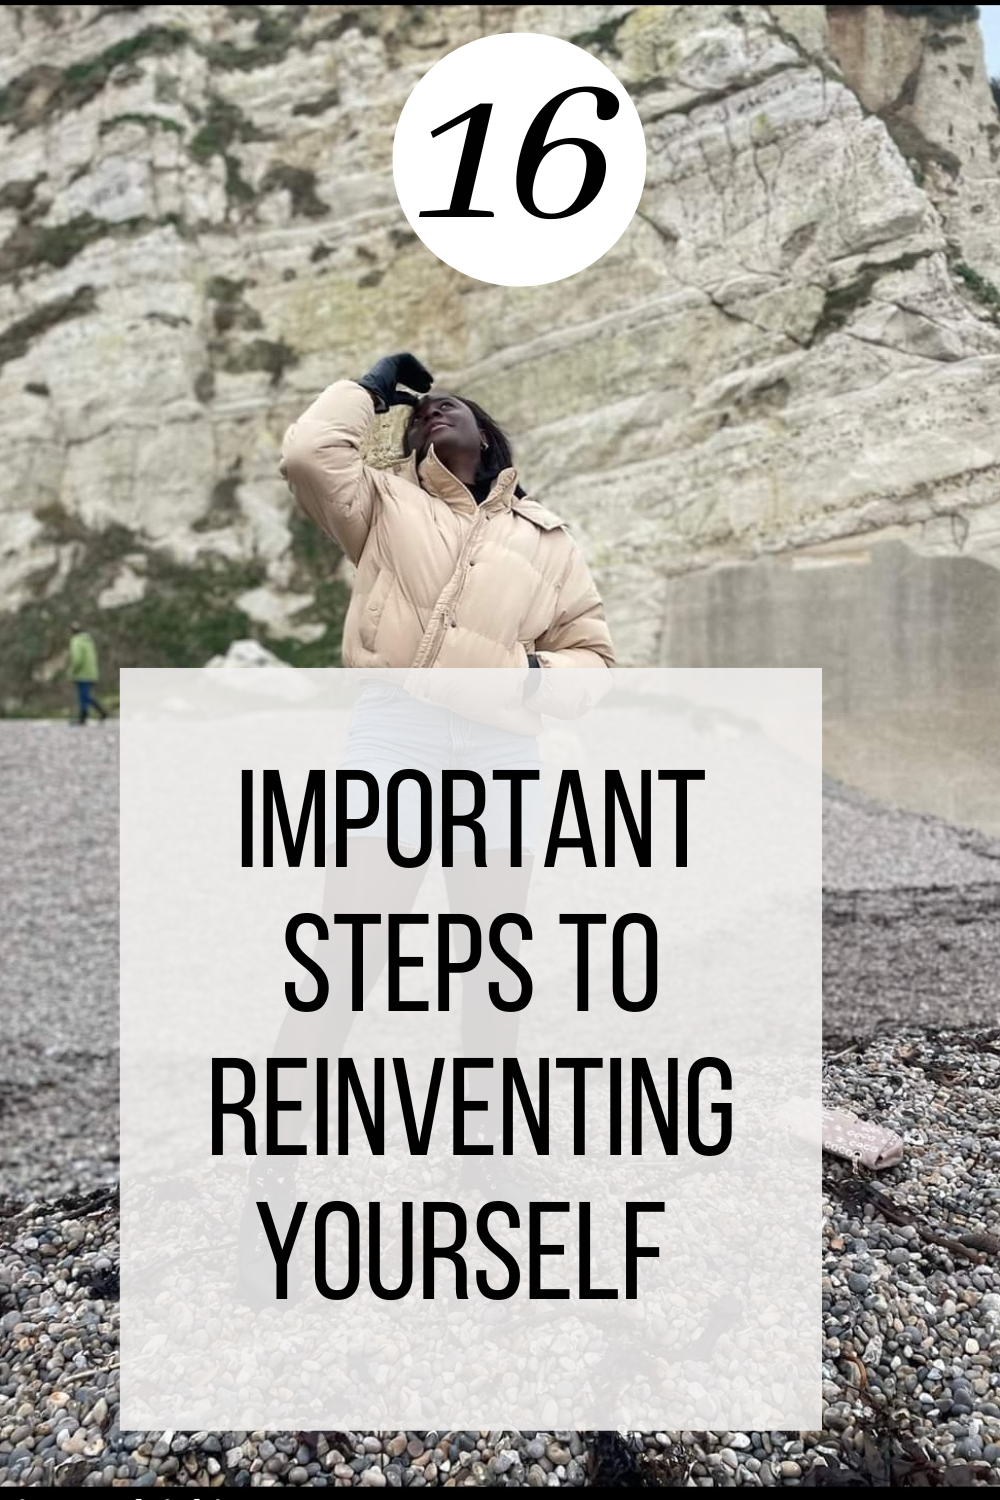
455,568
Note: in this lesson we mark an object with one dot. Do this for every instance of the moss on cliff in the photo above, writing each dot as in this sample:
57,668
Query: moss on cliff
915,146
316,560
980,286
602,38
223,125
43,91
31,245
26,98
329,607
273,37
300,185
841,302
232,315
188,613
274,356
20,193
149,122
16,339
82,80
230,310
310,549
204,386
311,107
224,507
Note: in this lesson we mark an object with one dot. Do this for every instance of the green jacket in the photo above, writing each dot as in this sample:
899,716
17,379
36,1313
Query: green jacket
83,657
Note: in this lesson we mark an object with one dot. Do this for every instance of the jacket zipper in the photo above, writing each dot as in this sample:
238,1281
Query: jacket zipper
428,654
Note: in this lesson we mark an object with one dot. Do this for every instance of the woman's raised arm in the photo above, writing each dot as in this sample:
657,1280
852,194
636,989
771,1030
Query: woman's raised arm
321,461
321,454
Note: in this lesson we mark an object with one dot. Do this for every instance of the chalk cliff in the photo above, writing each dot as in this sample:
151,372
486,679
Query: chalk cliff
791,358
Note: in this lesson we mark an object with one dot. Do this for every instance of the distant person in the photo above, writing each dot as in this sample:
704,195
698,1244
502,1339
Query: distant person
83,671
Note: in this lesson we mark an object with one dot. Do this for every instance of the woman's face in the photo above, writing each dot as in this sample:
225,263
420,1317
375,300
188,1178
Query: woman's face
445,421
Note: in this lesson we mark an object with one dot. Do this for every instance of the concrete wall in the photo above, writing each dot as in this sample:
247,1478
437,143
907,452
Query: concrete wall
910,651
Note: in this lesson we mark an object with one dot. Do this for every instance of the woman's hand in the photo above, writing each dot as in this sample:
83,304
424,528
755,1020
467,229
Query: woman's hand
383,378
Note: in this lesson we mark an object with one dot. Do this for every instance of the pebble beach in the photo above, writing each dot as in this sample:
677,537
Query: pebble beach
911,1257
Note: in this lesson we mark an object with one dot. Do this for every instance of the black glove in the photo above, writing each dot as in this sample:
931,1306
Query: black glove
534,678
381,381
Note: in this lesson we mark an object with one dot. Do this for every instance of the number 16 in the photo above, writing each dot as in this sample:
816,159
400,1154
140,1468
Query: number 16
534,148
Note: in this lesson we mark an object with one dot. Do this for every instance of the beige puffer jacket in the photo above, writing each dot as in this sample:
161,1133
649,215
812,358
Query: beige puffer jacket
441,582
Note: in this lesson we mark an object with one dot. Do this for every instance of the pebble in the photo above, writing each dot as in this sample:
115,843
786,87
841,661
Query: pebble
925,1323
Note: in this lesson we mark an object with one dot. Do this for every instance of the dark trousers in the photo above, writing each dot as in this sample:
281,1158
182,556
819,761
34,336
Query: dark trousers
86,699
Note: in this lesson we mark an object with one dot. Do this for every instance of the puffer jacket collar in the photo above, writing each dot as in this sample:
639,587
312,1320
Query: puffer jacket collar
437,479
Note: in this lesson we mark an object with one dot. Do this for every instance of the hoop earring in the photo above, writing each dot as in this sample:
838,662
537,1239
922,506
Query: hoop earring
483,447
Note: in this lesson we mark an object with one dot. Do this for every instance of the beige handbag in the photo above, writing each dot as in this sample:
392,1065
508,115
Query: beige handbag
845,1134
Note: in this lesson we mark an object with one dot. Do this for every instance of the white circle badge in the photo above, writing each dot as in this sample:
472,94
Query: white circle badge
519,159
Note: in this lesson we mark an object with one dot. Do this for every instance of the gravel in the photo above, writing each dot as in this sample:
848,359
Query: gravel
58,956
911,1260
911,920
870,847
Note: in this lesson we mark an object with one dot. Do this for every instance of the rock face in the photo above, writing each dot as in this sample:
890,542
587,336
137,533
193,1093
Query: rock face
791,357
